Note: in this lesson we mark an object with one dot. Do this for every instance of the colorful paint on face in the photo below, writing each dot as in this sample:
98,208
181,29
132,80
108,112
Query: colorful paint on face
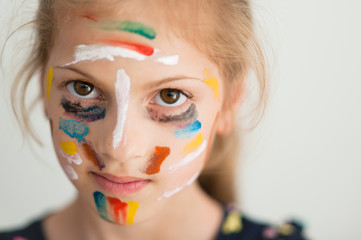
123,212
160,154
189,130
142,49
189,115
189,158
194,145
212,82
49,81
101,204
105,52
122,88
91,18
128,26
68,148
76,159
90,114
74,129
170,193
70,172
93,156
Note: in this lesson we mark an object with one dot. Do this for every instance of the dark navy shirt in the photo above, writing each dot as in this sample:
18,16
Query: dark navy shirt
234,226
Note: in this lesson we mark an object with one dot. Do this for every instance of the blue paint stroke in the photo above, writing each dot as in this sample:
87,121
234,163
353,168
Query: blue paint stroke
74,129
189,130
101,203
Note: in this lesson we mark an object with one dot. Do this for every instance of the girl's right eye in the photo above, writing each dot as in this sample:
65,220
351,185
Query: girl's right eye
81,89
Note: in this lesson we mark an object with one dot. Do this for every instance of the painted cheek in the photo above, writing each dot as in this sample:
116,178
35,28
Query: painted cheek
74,129
89,114
92,156
160,154
189,130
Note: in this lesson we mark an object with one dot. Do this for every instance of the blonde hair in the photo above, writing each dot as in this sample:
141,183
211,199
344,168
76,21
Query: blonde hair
222,30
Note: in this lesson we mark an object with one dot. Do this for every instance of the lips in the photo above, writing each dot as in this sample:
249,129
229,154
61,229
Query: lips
120,186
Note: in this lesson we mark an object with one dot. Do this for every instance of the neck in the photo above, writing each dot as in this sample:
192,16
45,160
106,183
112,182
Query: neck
198,214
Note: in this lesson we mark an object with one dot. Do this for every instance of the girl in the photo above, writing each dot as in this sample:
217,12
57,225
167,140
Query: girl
142,97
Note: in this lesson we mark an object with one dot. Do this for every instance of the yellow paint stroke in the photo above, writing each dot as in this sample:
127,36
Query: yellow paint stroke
68,147
212,82
192,146
132,209
49,81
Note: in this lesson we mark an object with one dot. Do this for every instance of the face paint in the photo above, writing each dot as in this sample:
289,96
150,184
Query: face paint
49,82
90,114
190,115
212,82
74,129
192,146
70,172
122,88
68,148
168,60
161,153
189,130
51,127
189,158
128,26
93,156
123,212
142,49
89,17
76,159
170,193
105,52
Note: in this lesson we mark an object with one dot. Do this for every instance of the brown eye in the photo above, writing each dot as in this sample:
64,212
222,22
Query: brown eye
170,96
82,89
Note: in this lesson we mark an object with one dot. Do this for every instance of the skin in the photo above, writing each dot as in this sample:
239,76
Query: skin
199,214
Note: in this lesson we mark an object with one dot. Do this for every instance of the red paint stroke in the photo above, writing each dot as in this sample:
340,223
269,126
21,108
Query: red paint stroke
91,155
157,159
142,49
118,206
90,18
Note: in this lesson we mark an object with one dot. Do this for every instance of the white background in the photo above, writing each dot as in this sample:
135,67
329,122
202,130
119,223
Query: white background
303,160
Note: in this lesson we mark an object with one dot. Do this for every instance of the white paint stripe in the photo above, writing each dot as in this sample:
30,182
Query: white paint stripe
168,60
76,159
170,193
70,172
100,51
122,88
189,158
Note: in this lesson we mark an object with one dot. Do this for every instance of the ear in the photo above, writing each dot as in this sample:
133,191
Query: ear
230,110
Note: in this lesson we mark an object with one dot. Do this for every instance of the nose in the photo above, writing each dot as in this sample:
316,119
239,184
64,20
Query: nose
125,136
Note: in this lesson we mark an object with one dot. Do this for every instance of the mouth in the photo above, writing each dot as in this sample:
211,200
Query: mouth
120,186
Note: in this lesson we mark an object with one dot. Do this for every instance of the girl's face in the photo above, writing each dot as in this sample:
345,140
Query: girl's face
133,112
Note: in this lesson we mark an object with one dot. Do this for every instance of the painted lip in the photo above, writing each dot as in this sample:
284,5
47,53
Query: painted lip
120,186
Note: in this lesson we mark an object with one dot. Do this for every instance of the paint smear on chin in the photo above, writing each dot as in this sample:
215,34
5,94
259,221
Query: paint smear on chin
122,89
160,154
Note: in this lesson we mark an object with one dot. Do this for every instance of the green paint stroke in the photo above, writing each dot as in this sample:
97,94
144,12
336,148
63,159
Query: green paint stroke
127,26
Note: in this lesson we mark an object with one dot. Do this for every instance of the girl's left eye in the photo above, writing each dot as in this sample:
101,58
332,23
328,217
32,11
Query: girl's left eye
81,89
170,98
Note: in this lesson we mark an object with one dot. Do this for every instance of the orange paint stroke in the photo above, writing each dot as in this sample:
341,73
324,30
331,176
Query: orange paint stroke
118,207
142,49
160,154
92,156
90,18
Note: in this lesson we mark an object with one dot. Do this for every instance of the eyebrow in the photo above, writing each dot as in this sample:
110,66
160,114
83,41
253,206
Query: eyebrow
150,85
